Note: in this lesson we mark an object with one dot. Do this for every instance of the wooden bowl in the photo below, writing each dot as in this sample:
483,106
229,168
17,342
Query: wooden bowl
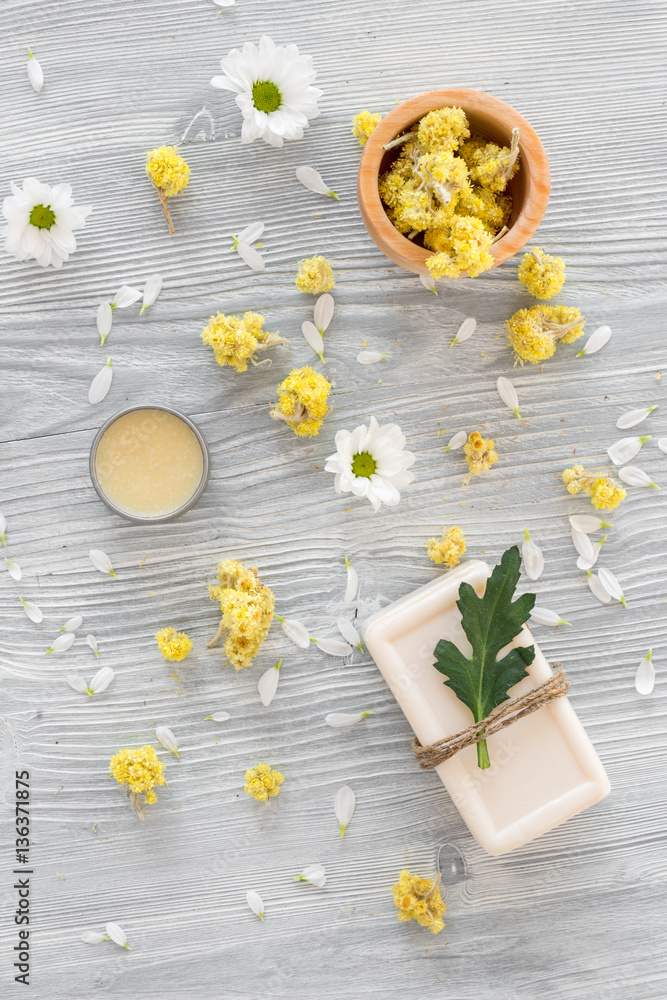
488,117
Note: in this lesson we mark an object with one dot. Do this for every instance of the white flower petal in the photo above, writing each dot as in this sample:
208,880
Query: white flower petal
645,676
371,357
250,256
152,289
633,417
92,937
251,233
344,805
662,445
72,624
343,720
256,903
625,450
533,559
311,179
587,523
583,545
79,685
334,647
313,338
633,476
117,935
457,441
349,632
62,642
508,394
596,340
545,617
3,526
165,736
104,320
224,3
611,585
352,586
101,384
268,684
35,74
295,631
466,330
598,588
33,612
101,680
125,296
586,563
315,874
92,642
14,569
428,282
323,312
218,717
101,561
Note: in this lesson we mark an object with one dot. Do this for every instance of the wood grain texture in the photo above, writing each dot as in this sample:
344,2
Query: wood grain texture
579,913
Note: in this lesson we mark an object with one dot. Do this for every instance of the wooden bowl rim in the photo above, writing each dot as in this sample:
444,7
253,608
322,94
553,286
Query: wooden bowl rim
398,247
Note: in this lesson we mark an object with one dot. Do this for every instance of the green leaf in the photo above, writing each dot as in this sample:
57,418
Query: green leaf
490,622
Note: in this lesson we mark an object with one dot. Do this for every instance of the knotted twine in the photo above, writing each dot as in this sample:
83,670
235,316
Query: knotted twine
501,717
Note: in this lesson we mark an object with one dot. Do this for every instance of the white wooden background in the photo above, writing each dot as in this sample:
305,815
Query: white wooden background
580,912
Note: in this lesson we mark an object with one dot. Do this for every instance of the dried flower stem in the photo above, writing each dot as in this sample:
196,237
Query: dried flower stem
165,209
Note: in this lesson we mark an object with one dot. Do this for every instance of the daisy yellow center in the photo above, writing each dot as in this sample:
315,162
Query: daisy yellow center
266,96
363,464
42,217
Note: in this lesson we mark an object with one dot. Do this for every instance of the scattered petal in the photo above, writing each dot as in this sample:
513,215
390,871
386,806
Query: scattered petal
79,685
101,384
583,545
117,935
633,476
334,647
101,561
323,312
248,254
92,642
165,736
466,330
349,632
315,874
268,684
352,587
583,563
62,642
295,631
312,179
508,395
371,357
218,717
533,559
92,937
313,338
344,807
33,612
72,624
124,297
35,73
645,676
625,450
101,680
596,340
224,3
14,569
152,289
256,903
662,445
545,617
633,417
428,282
343,720
611,585
251,233
587,523
104,320
3,526
457,441
597,588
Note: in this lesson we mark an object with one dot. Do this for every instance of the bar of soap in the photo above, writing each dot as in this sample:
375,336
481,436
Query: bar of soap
544,768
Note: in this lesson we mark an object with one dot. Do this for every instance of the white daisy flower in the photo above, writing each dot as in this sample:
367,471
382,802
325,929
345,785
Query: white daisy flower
315,874
457,441
625,450
343,720
633,476
645,676
508,395
35,73
466,330
268,684
165,736
273,87
242,242
598,589
545,617
101,384
533,559
42,221
596,340
371,357
312,179
587,523
256,903
352,586
428,282
372,461
14,569
152,289
344,806
634,417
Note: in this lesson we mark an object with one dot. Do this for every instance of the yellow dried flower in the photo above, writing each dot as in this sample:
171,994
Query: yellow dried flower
419,899
565,322
302,401
447,549
604,493
493,166
363,125
314,275
480,453
173,645
237,341
169,173
140,769
262,783
492,209
442,129
542,274
247,611
465,248
533,332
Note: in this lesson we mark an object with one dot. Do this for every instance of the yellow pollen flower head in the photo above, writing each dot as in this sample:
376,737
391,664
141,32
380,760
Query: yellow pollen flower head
566,322
442,129
528,338
168,170
140,769
447,549
419,899
314,275
363,125
492,166
173,645
604,493
542,274
466,249
247,611
262,783
237,341
480,453
302,401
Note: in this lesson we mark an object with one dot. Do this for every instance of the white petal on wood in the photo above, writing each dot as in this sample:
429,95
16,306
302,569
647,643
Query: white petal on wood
3,526
343,720
62,642
165,736
218,717
117,935
313,338
33,612
35,73
14,570
352,586
268,685
256,903
596,340
312,179
344,806
334,647
125,296
315,874
250,256
102,680
428,282
583,545
624,451
634,417
224,3
371,357
611,584
92,937
104,320
152,289
633,476
101,384
101,561
662,445
545,617
349,632
251,233
296,632
72,624
645,676
508,394
92,642
465,331
587,523
78,684
533,559
598,588
323,312
583,563
457,441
